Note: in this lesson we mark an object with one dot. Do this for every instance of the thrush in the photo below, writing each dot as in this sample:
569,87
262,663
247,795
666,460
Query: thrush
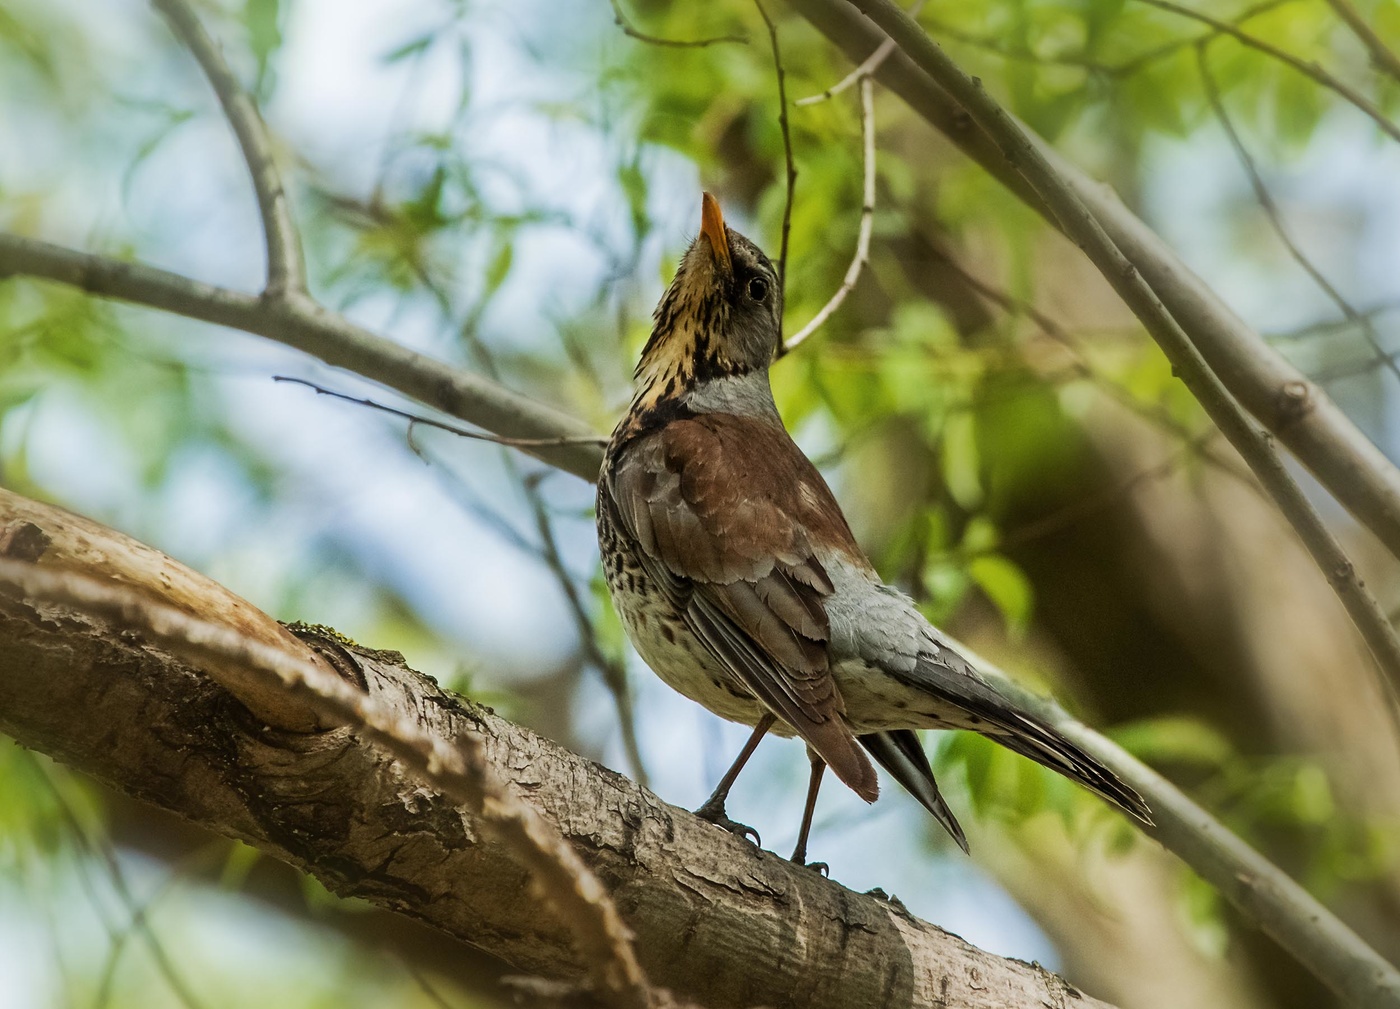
738,580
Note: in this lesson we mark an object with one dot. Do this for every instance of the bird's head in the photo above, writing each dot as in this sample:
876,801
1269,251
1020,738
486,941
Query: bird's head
720,318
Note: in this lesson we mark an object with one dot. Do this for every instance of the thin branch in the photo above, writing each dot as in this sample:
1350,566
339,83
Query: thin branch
867,222
1271,211
611,670
461,432
866,68
1085,367
1383,58
1350,969
1117,71
787,144
622,21
286,269
306,326
138,913
458,770
1311,70
1076,511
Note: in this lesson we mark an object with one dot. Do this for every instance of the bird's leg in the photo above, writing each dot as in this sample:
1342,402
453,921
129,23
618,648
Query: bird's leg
799,854
713,809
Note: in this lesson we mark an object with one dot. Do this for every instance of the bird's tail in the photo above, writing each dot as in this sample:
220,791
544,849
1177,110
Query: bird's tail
951,677
1030,737
898,752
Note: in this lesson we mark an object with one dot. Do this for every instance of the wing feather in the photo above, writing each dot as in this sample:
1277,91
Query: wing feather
724,509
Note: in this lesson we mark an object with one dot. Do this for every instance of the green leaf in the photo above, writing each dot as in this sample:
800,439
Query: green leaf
1176,740
1007,586
961,460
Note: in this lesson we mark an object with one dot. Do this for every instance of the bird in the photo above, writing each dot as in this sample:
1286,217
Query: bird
737,577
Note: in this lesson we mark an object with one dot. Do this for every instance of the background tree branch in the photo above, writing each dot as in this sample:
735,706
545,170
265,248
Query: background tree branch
1301,415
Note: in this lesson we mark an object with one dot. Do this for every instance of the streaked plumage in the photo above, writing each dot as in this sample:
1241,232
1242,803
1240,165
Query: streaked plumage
737,577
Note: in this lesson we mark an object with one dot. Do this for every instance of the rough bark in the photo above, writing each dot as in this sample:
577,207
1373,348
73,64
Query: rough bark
715,919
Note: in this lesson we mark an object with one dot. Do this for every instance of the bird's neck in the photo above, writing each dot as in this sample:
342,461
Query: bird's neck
666,395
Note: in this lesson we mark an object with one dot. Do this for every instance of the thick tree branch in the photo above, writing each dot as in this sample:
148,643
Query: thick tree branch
306,326
1339,969
286,269
1294,409
714,918
457,768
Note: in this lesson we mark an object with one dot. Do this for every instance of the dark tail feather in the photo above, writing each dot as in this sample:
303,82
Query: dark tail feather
899,752
951,677
1030,737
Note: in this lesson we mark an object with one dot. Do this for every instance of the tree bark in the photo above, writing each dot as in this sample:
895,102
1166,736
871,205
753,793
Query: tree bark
715,919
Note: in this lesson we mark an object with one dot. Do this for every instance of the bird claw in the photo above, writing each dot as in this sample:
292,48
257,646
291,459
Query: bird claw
821,868
717,816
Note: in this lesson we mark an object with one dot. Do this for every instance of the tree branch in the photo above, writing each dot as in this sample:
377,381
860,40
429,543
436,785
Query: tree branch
867,222
1295,410
1275,218
91,684
787,143
457,768
1383,58
286,269
306,326
1347,974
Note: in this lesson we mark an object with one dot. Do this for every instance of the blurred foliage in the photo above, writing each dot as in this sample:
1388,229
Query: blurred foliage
512,206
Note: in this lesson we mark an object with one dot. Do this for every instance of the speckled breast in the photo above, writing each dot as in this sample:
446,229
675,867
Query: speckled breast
659,632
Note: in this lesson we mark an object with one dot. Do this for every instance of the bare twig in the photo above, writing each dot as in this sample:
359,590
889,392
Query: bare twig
1311,70
1271,211
458,771
1084,366
461,432
612,672
787,143
1383,58
866,69
1064,517
622,21
867,222
286,270
1352,969
138,913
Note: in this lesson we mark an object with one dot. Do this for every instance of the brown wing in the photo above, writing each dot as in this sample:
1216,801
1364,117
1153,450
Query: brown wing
725,509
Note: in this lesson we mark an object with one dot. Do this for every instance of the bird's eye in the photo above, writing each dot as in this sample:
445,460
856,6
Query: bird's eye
758,289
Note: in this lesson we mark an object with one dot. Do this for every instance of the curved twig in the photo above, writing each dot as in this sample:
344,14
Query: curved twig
787,143
622,21
1383,58
286,269
867,222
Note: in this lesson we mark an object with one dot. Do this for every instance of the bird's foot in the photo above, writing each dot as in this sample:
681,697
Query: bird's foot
818,867
714,813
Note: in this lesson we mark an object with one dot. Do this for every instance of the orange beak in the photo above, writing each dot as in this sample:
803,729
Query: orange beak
712,227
